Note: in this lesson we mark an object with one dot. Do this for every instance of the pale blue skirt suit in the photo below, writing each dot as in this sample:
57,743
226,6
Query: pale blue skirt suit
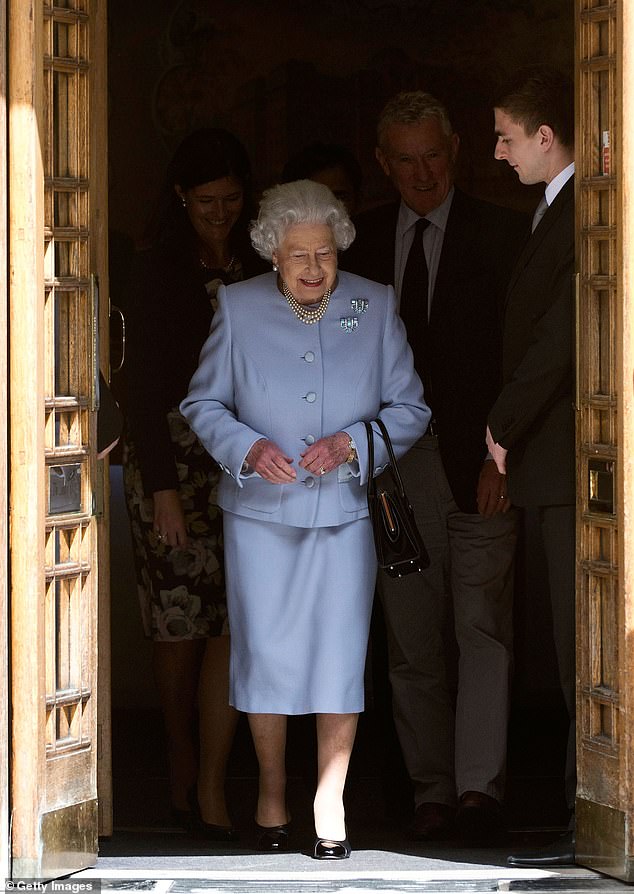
300,562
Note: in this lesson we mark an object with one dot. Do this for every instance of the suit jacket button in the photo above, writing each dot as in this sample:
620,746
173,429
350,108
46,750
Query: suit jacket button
311,397
309,482
309,439
309,356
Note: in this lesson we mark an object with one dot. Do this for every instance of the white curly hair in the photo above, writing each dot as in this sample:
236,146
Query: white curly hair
300,202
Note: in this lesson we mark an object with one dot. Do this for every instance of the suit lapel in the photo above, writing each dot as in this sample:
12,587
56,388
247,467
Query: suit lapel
550,218
387,258
456,237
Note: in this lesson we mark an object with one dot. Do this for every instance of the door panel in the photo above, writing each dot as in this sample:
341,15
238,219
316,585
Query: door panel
4,509
55,476
604,440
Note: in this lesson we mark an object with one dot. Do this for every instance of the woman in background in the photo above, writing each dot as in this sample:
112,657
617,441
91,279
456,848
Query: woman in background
198,241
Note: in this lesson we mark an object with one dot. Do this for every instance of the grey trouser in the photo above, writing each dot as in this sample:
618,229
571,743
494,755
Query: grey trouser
449,750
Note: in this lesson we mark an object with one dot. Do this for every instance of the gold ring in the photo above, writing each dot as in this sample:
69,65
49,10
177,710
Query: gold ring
322,471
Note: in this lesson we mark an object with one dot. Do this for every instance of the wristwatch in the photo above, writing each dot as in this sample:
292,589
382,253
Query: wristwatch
352,452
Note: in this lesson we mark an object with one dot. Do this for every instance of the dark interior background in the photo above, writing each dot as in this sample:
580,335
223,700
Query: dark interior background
280,75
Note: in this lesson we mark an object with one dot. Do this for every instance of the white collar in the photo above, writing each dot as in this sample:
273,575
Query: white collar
557,183
437,216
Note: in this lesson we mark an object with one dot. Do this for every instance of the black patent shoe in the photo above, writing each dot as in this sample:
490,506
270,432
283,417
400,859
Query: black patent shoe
208,831
327,849
273,838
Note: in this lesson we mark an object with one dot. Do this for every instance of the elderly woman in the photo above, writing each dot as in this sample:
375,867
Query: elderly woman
295,362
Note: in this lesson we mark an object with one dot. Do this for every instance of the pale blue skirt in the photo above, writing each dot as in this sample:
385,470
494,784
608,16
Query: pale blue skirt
299,602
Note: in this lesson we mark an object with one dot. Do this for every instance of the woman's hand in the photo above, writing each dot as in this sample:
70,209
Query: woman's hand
270,463
326,454
492,493
169,519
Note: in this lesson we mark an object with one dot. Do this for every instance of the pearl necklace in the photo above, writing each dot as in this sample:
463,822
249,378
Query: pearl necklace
306,315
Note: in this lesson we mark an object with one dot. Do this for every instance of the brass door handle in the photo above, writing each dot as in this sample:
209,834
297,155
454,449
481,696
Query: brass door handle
117,310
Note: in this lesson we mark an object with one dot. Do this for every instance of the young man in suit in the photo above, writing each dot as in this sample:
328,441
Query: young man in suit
449,257
531,424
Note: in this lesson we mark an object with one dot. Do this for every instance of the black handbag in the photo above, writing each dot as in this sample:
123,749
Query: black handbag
399,547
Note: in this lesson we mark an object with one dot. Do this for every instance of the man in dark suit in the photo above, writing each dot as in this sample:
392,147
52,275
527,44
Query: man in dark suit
531,425
449,257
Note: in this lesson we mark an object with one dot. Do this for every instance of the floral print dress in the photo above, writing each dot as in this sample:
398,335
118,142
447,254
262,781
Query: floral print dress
181,591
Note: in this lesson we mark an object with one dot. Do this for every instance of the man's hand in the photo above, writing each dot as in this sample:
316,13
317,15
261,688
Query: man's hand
492,494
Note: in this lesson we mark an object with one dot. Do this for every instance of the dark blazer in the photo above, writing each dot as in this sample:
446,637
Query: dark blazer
480,245
533,416
168,319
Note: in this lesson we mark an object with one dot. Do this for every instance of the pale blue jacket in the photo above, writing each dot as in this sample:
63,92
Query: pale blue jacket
265,374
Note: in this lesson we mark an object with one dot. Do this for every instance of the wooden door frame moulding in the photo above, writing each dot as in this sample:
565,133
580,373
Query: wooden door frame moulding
4,509
625,363
99,263
26,401
605,792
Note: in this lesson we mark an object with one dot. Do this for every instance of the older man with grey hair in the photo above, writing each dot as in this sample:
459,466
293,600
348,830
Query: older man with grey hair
448,256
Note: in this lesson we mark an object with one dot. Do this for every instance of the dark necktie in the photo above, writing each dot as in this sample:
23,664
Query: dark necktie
414,298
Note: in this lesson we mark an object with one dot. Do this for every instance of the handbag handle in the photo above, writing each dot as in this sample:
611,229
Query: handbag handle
390,451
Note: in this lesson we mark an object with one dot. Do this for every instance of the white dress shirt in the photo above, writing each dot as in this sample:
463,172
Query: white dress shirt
557,183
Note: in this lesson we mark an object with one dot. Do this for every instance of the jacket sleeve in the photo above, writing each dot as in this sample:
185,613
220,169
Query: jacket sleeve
402,404
148,378
544,374
209,406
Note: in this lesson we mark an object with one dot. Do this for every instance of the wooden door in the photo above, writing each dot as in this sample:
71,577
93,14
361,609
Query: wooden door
605,595
57,238
4,514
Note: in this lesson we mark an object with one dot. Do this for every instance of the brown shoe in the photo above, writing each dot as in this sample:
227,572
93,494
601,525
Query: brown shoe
480,820
432,821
